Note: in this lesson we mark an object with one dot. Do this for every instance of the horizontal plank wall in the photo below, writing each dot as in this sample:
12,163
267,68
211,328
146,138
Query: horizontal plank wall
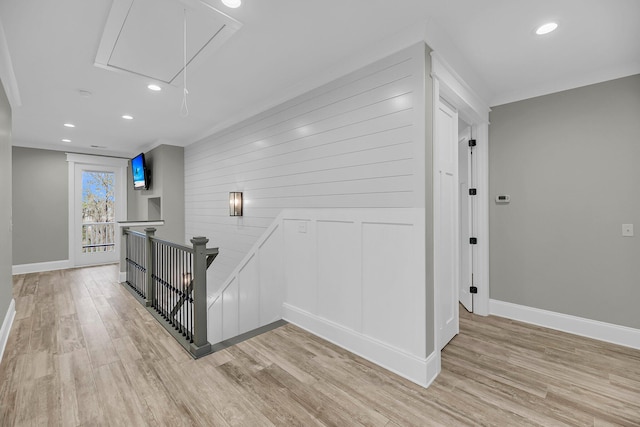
357,142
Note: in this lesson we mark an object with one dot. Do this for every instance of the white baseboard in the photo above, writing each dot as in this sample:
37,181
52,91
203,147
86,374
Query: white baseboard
416,369
6,326
122,277
39,267
621,335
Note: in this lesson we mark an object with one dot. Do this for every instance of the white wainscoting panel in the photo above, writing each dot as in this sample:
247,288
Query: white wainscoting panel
300,262
271,272
339,286
357,142
230,310
249,295
352,276
390,298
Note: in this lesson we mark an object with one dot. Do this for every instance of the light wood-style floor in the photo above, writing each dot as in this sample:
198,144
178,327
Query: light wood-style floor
82,351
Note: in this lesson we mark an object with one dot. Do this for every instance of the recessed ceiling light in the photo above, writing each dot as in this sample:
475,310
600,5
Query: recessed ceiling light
127,117
66,140
232,3
154,88
69,125
546,28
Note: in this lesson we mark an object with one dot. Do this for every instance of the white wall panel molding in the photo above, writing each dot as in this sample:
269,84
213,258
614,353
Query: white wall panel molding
616,334
6,326
39,267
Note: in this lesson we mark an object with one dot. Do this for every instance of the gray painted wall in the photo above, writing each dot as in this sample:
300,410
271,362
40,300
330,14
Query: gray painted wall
41,206
166,163
6,281
571,163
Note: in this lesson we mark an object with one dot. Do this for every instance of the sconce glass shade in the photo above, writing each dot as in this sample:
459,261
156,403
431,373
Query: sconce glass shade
235,203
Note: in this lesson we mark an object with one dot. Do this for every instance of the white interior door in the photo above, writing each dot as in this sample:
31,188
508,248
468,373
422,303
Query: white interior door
98,203
464,168
446,229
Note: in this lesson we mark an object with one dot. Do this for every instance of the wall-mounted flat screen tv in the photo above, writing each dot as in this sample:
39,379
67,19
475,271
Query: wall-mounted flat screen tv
140,173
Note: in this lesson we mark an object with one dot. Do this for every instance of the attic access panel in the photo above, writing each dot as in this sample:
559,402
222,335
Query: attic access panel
146,37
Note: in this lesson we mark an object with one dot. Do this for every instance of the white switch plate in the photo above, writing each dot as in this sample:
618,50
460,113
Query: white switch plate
302,226
627,230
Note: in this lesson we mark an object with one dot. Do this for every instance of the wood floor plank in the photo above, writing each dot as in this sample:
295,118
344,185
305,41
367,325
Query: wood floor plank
83,352
235,406
69,336
160,405
77,379
271,400
119,403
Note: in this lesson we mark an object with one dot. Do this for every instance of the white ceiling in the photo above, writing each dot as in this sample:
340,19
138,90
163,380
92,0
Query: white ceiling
285,47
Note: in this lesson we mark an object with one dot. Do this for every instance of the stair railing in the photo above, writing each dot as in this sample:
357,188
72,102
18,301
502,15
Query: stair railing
171,281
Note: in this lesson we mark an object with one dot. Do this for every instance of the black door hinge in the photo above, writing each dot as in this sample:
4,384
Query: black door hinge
473,290
472,143
473,240
473,191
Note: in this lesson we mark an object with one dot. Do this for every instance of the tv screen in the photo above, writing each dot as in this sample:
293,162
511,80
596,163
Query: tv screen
140,173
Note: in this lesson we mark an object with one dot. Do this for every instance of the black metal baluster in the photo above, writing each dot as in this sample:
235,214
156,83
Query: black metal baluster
163,260
139,263
164,281
190,289
143,271
167,268
142,260
173,286
156,267
182,286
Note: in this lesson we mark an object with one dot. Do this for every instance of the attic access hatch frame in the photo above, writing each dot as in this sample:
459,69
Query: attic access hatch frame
120,22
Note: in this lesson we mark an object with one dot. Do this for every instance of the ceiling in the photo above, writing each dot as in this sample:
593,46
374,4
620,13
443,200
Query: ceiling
282,48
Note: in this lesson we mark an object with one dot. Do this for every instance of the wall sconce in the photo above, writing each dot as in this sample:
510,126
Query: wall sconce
235,203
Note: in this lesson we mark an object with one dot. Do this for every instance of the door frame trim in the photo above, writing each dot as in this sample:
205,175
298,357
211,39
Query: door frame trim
448,85
74,159
440,146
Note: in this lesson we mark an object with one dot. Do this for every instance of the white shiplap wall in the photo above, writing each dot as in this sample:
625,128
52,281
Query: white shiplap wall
357,142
